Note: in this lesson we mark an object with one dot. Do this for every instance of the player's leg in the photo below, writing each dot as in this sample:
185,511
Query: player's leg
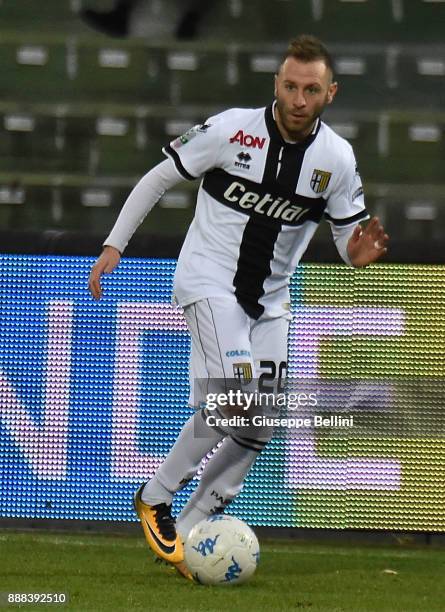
197,438
223,476
220,483
153,500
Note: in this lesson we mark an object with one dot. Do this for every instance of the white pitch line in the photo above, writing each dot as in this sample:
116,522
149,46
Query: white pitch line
73,542
299,550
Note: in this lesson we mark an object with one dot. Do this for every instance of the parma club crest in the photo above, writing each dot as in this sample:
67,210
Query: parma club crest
320,180
243,372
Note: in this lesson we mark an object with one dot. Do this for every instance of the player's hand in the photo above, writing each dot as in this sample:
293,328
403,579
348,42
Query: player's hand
106,263
367,245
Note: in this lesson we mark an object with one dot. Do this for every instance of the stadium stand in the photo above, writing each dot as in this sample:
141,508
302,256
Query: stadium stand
83,116
421,73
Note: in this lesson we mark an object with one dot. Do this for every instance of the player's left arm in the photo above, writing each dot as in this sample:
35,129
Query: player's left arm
367,245
356,245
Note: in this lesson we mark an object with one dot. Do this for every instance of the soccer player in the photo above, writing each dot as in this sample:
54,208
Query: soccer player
269,176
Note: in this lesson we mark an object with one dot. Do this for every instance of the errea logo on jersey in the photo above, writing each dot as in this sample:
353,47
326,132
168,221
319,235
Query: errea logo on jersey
246,140
243,159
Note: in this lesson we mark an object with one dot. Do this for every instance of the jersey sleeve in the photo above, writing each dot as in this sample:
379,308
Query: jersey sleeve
141,200
346,205
196,151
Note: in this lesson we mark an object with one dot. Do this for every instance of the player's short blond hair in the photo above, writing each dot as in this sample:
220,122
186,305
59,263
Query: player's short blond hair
308,48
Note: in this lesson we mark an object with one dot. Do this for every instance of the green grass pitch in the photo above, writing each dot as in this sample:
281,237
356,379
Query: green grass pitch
109,572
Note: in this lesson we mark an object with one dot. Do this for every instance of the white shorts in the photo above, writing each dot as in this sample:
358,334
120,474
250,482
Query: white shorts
228,345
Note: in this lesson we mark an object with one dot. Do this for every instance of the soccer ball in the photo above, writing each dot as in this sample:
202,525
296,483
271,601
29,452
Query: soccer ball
221,550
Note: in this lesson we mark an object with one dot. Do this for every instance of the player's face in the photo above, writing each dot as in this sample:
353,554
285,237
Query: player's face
302,90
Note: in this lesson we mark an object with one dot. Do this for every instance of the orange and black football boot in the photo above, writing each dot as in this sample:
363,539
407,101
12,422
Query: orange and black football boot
160,532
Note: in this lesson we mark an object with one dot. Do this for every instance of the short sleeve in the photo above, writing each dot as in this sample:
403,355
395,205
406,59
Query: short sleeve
195,152
346,205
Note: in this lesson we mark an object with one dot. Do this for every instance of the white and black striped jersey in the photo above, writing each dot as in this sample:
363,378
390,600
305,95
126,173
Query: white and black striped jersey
259,204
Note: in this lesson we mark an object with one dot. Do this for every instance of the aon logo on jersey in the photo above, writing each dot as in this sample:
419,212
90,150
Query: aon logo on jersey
246,140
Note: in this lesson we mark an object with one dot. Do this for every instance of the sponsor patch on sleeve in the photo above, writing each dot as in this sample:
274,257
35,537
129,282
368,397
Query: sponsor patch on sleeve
357,193
190,134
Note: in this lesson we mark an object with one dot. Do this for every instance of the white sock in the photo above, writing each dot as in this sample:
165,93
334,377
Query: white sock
195,440
221,481
155,493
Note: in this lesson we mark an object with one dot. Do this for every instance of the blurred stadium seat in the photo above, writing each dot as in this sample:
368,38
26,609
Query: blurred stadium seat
421,74
423,19
412,216
29,16
416,150
120,73
32,71
343,20
27,142
362,79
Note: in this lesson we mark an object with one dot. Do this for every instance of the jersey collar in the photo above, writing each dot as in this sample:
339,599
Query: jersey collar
275,133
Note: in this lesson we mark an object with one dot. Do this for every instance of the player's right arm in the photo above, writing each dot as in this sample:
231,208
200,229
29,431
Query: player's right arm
105,264
141,200
188,157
